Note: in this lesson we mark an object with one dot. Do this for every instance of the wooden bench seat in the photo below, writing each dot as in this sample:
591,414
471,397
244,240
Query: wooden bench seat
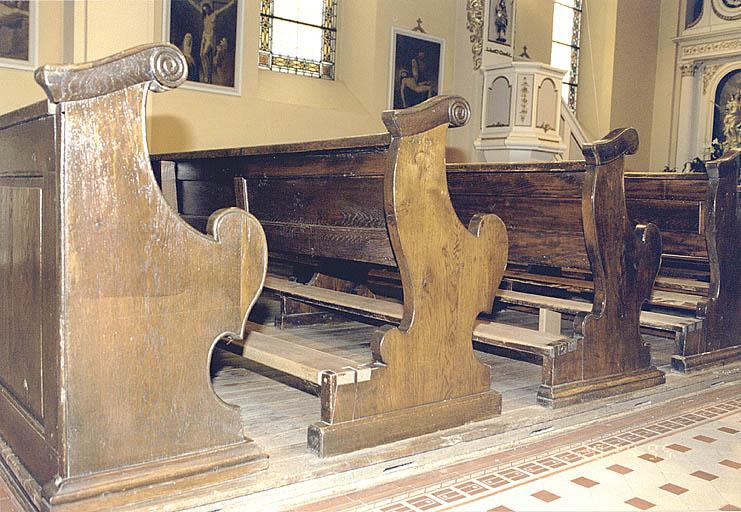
424,375
320,207
486,332
699,215
110,304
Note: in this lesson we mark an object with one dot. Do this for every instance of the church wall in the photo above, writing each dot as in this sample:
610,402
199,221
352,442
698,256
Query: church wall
594,99
665,85
534,28
18,87
273,107
278,107
634,74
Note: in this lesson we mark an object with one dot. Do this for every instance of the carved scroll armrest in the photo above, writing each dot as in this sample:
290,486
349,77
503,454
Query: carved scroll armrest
614,145
452,110
162,65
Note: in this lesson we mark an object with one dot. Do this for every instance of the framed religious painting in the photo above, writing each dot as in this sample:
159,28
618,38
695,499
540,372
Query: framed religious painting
18,34
416,67
209,33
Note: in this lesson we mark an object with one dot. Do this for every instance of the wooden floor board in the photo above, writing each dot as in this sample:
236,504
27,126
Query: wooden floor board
277,415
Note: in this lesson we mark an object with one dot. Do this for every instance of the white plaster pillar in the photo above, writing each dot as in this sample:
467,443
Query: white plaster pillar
687,129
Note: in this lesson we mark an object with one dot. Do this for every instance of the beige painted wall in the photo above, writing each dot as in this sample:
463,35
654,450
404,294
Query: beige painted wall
534,28
594,96
666,85
277,107
17,87
626,71
634,73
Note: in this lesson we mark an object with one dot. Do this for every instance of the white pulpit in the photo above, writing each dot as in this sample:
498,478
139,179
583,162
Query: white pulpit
521,113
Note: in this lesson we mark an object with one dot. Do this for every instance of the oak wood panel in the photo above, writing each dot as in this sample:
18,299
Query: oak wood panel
348,243
668,215
123,282
558,181
337,163
17,158
21,320
525,212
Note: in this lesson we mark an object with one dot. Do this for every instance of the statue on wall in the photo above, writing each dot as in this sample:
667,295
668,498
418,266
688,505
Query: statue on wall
727,116
501,20
732,122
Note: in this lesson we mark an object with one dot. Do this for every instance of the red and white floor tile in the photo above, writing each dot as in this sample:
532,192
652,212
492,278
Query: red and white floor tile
678,461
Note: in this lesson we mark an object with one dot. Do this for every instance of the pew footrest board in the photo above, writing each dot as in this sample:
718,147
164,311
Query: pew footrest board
592,389
489,333
563,365
680,294
659,321
688,363
328,439
283,352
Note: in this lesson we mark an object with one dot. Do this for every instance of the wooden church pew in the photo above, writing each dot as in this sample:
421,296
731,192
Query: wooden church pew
424,375
693,212
700,219
319,205
110,304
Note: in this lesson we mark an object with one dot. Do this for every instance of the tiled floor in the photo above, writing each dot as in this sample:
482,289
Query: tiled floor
682,461
662,459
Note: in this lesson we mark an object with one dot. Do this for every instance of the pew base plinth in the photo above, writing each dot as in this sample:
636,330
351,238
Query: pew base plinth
328,439
177,482
575,392
693,362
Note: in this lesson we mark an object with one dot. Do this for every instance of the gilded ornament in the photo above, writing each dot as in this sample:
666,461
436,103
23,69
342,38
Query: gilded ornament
475,25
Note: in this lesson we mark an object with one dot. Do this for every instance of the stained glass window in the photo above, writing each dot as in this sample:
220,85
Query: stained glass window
298,36
565,46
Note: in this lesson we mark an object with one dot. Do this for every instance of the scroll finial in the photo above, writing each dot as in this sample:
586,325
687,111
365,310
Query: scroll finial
452,110
162,65
619,142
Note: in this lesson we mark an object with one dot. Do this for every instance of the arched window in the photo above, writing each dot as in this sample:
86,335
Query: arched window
565,46
298,36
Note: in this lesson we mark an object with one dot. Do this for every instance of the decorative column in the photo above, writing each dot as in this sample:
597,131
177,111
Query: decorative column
687,115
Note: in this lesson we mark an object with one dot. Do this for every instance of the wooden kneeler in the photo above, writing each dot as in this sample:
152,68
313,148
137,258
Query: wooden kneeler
608,354
134,301
424,376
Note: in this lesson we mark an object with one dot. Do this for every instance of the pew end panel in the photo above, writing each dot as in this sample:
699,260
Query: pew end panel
136,301
425,374
721,312
572,216
624,261
698,215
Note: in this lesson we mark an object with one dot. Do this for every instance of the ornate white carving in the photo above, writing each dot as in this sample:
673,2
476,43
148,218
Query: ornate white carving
707,75
524,97
728,10
688,69
714,47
